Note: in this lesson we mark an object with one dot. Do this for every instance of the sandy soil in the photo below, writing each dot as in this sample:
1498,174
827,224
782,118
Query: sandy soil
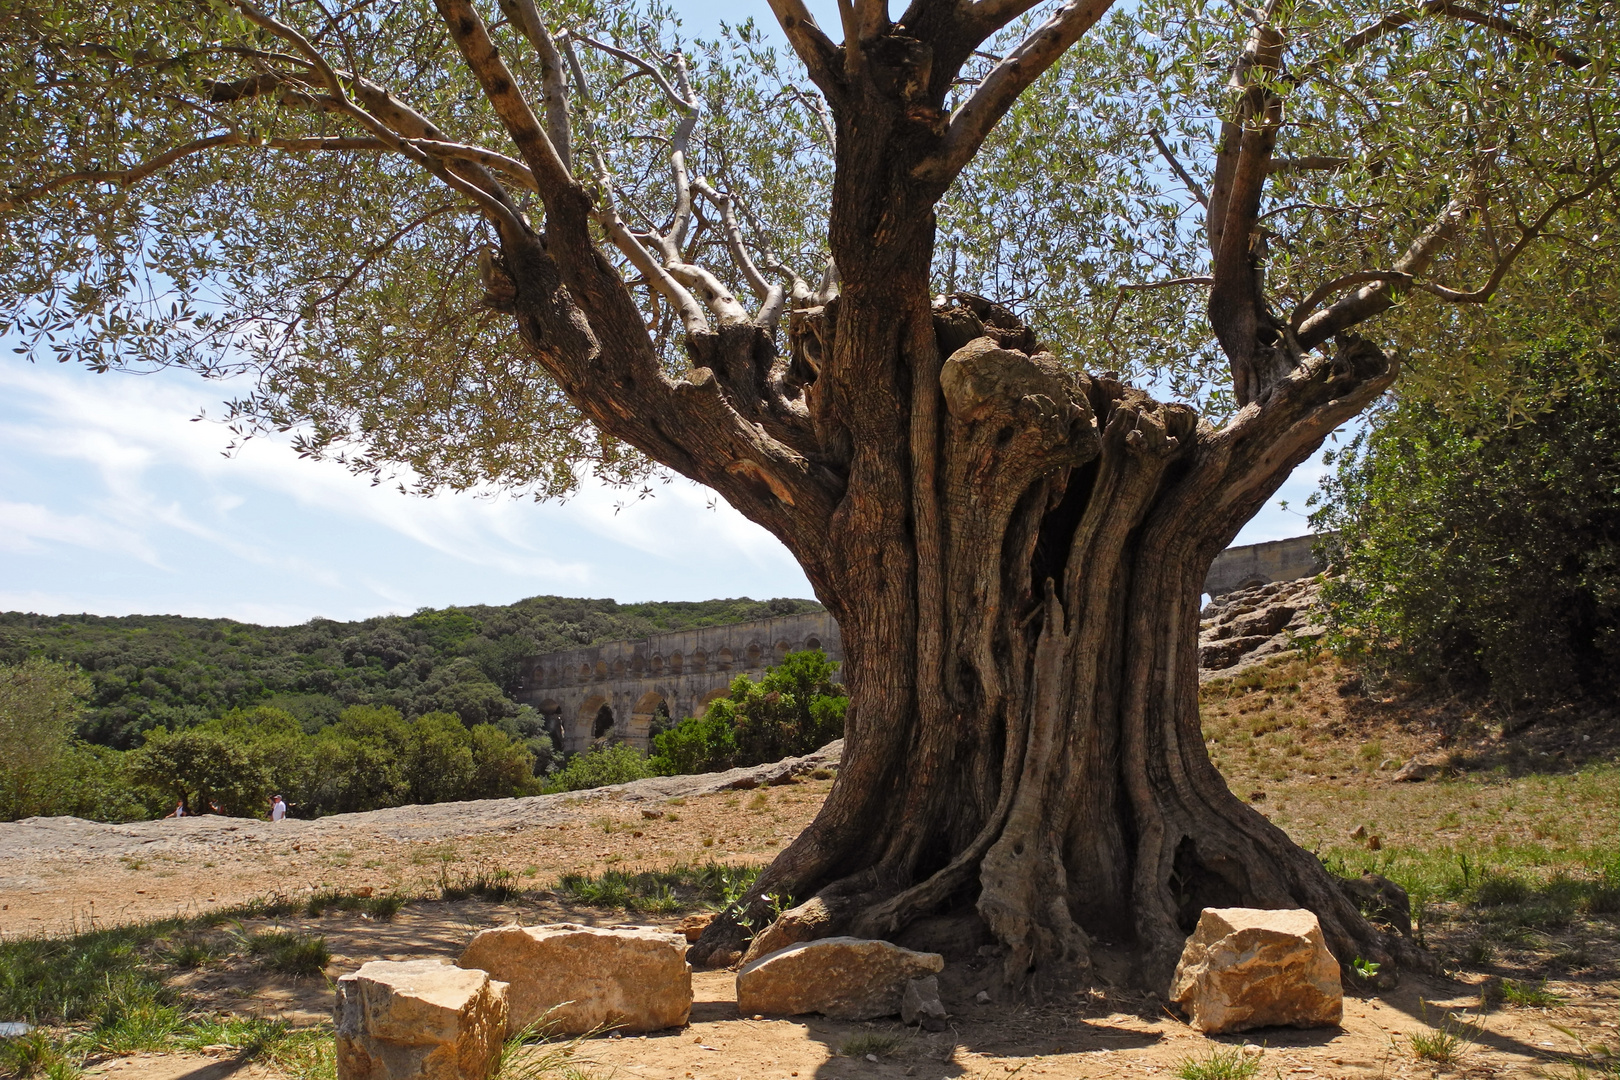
1100,1033
58,875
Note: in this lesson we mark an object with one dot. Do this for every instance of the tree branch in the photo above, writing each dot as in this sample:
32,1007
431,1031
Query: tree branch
137,173
810,42
770,295
500,88
1176,167
553,76
988,103
1306,164
1405,17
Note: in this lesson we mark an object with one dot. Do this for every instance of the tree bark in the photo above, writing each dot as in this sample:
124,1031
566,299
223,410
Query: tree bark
1014,554
1020,634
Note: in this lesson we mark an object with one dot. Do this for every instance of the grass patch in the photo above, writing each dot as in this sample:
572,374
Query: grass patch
288,952
104,992
383,907
682,887
1231,1064
1444,1045
495,884
1537,996
531,1054
873,1043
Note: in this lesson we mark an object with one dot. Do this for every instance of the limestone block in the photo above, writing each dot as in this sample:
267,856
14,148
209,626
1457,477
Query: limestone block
920,1004
1246,968
692,926
418,1020
575,979
842,977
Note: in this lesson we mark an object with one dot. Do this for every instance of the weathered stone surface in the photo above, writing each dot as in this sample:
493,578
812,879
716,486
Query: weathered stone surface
575,979
1245,627
692,926
418,1020
802,923
1246,968
842,977
920,1004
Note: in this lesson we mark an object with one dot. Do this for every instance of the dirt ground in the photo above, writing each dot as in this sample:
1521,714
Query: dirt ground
1319,779
1100,1033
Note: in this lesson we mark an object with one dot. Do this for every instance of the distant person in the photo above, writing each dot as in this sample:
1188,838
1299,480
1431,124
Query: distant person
215,808
278,809
179,809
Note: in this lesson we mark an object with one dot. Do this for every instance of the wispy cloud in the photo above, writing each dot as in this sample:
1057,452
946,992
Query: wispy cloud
113,464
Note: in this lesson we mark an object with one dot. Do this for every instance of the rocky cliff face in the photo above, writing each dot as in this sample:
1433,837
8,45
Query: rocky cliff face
1239,629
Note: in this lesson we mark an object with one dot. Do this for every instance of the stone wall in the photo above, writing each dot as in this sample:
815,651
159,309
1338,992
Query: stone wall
1260,564
684,670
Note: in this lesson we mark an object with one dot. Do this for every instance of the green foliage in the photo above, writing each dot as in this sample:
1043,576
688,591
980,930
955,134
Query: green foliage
794,709
147,671
1484,553
600,766
370,758
39,709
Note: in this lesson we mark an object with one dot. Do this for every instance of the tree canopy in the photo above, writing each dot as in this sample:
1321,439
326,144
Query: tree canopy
307,193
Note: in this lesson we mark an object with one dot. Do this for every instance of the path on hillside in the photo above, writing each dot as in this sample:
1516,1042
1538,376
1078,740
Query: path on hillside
59,874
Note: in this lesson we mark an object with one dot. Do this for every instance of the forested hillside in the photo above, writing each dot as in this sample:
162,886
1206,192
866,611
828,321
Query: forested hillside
150,670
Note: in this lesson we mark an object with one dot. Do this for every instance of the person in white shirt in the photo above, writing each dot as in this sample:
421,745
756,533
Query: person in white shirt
278,809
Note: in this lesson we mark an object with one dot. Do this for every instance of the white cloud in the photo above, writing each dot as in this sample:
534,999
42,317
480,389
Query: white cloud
114,463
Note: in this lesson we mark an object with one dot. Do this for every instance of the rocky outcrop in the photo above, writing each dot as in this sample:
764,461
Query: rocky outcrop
842,977
418,1020
1246,968
1245,627
570,979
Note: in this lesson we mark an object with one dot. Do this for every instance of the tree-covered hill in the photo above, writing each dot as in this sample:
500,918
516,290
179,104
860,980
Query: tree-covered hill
148,670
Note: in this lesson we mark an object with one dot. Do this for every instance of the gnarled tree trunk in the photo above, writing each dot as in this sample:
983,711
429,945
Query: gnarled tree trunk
1021,653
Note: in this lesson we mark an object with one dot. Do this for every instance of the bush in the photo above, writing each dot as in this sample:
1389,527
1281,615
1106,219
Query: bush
794,709
39,709
1483,552
600,766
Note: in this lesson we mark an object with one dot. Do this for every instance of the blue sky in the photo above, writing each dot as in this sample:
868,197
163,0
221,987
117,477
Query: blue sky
115,500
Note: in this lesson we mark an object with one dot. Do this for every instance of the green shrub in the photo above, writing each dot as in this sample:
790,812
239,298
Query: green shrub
794,709
600,766
1481,549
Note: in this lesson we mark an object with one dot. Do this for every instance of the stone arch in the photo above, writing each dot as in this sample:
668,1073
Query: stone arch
812,642
756,655
580,727
724,660
658,663
651,708
675,663
601,669
713,695
700,660
618,668
603,723
637,665
782,649
584,673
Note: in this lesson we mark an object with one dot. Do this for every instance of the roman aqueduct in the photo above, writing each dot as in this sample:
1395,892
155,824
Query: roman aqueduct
616,690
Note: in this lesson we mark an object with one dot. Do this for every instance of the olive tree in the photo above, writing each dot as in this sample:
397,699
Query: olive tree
1002,315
